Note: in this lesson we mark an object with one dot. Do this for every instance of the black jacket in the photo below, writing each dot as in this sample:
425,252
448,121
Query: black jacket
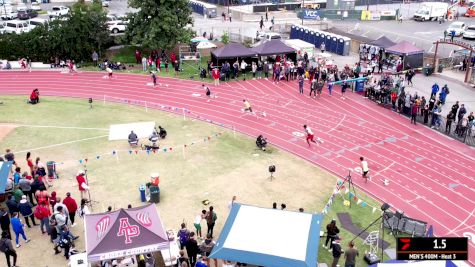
192,247
12,206
4,220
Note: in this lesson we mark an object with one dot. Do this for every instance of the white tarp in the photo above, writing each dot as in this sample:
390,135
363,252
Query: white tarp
122,131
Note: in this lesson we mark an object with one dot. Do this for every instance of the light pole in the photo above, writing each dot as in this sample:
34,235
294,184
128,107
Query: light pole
301,12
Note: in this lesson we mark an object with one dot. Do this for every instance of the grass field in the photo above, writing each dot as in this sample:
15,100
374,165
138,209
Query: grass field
205,171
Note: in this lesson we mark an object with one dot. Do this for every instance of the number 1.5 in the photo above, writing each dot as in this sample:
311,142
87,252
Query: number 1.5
442,244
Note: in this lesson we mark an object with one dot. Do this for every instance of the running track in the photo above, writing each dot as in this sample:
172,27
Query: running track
431,177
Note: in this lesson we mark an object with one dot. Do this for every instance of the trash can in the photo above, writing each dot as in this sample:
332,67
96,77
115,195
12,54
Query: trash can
440,68
154,194
142,193
51,167
359,86
428,70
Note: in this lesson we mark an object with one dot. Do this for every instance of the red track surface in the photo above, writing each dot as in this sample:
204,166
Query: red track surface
431,177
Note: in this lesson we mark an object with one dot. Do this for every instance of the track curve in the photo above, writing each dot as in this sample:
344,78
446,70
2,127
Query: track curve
422,165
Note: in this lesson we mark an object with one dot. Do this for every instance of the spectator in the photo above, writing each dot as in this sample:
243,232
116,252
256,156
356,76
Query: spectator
25,186
197,222
206,247
183,236
43,213
12,205
192,249
71,206
7,248
350,255
211,218
95,58
26,211
448,123
332,233
336,252
17,227
462,113
5,222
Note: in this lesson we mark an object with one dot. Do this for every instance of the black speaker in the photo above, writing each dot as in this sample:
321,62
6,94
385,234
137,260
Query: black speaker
272,168
90,100
371,258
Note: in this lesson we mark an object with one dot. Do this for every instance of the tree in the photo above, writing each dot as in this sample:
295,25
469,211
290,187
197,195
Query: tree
74,36
159,23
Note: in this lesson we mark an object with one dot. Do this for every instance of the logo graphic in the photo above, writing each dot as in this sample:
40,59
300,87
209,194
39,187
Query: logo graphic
102,225
470,236
406,242
127,230
144,219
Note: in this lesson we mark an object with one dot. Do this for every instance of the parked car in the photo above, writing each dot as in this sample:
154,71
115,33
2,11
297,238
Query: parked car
117,26
17,26
35,6
58,11
105,3
27,14
21,7
458,27
35,22
469,32
6,12
268,36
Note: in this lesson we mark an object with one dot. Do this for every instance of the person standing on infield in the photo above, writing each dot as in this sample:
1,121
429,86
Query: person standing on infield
364,169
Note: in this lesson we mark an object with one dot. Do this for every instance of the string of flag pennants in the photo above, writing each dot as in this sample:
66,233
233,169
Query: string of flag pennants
352,197
148,152
164,107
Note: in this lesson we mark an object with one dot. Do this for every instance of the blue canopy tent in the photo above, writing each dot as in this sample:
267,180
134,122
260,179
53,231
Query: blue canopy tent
5,167
249,236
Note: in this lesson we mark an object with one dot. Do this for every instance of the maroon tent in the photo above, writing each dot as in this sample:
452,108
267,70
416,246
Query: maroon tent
124,233
273,47
404,48
411,55
231,51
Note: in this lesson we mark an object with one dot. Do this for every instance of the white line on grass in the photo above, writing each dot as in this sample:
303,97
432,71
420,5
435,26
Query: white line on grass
61,127
61,144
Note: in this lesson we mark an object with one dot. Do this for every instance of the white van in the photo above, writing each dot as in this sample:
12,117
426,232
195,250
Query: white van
17,26
35,22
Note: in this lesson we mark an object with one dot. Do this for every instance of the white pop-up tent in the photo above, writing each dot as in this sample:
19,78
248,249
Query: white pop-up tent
269,237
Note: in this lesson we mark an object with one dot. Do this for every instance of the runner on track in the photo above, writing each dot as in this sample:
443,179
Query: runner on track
310,135
364,169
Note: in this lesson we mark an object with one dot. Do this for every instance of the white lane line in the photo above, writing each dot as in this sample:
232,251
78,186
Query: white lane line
54,126
61,144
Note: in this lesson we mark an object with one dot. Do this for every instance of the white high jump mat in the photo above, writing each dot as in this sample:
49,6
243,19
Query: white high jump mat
122,131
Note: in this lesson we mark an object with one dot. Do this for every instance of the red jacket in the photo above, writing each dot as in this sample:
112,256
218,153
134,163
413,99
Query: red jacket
81,180
71,204
173,57
216,74
43,212
33,95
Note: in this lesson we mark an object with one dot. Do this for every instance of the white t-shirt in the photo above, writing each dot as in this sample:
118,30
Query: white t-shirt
364,165
198,219
308,130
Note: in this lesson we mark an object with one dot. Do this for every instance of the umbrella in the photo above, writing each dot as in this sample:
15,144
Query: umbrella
199,39
205,45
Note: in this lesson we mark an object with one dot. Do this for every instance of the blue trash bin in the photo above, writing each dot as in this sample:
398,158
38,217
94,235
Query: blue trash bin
142,193
359,86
